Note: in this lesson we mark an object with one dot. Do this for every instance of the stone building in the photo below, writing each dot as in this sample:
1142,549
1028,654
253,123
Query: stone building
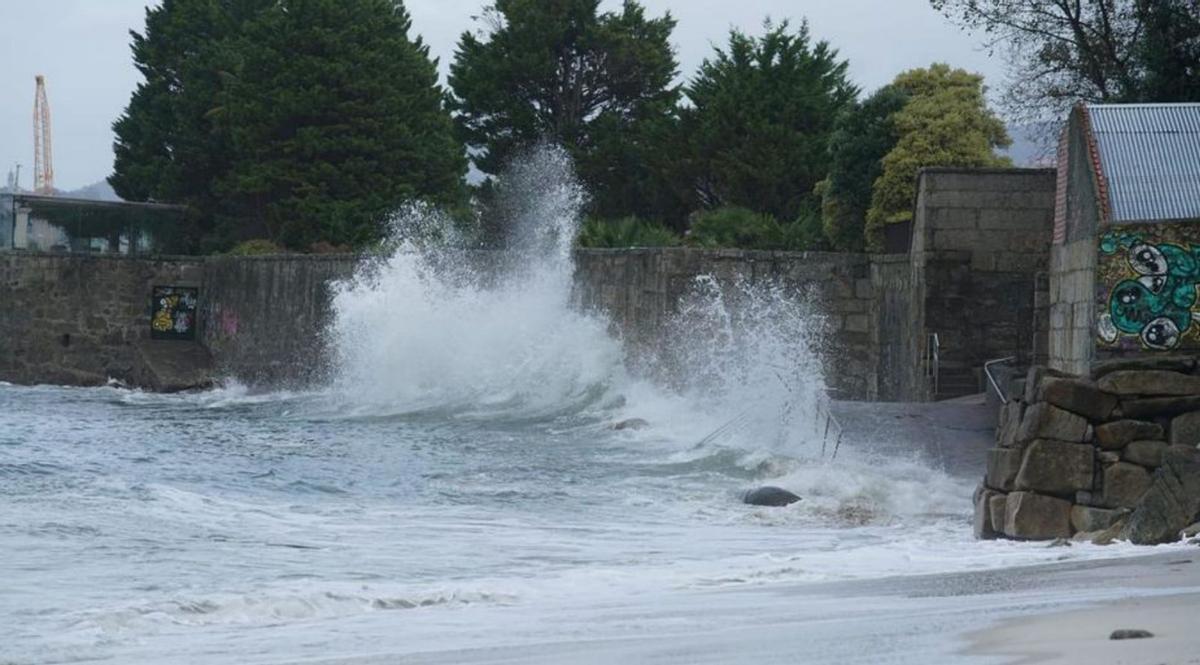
1104,443
1123,264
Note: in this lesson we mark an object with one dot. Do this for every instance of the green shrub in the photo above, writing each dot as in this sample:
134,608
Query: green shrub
746,229
736,227
256,247
626,232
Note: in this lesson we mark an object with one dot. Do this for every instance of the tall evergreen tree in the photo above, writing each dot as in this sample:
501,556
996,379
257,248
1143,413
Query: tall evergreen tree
863,135
598,83
167,148
298,120
762,111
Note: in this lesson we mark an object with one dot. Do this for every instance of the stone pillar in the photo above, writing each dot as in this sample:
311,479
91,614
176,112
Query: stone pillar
21,229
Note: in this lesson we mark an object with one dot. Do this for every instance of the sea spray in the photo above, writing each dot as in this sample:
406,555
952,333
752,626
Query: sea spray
434,327
749,347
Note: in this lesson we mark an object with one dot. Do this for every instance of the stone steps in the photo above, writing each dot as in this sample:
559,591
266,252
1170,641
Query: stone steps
956,381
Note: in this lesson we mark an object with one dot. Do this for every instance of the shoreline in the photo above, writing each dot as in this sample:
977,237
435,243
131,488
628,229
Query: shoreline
1164,595
1082,636
1047,613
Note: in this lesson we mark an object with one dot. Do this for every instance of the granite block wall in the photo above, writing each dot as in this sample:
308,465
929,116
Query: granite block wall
640,289
263,317
980,239
71,319
1100,457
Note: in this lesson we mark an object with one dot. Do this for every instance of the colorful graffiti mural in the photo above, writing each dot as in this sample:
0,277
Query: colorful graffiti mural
1146,282
173,312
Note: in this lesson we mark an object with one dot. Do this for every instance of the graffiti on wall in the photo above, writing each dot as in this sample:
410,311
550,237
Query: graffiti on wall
1146,283
173,312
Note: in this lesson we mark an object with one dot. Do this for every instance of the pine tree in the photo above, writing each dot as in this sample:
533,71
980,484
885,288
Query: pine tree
863,135
597,83
301,121
762,113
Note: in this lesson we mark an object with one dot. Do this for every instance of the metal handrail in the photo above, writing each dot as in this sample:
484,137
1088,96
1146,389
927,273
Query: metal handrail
933,361
831,420
987,370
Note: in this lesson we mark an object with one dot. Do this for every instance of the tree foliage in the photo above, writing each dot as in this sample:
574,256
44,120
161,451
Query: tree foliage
862,136
946,122
762,110
598,83
302,121
1065,51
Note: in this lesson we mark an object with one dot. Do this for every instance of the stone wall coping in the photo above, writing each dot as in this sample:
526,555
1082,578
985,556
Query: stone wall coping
718,253
179,258
1014,170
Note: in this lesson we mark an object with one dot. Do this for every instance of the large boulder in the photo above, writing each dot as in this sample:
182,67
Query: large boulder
769,496
1056,467
1120,433
1156,362
1123,485
1088,519
1171,503
1145,453
1185,429
1034,378
1046,421
1162,383
1002,467
1010,423
1033,516
1077,396
997,506
985,529
1153,407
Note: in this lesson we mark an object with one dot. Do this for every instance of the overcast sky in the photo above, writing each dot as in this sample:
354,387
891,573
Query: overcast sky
82,46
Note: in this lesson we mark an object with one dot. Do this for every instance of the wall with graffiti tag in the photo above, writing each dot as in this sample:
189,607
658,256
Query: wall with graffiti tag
1146,288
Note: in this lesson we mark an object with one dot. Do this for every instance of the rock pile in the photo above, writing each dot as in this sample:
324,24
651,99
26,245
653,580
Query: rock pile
1112,455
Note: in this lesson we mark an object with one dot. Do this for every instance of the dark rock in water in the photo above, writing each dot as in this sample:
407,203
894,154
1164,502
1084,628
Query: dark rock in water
1130,634
769,496
632,423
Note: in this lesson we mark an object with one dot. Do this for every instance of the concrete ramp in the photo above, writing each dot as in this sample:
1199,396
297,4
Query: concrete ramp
953,434
170,366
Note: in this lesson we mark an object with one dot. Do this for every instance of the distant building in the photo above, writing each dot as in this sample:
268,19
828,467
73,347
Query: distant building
1125,262
57,224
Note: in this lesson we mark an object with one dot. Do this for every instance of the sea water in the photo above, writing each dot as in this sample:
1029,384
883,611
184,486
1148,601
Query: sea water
456,481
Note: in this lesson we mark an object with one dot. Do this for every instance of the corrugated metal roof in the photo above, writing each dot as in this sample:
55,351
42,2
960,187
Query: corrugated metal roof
1150,154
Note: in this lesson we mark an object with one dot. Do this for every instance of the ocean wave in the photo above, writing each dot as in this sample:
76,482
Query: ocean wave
275,608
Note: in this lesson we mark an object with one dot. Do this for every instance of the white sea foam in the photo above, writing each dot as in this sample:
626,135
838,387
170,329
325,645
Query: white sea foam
426,330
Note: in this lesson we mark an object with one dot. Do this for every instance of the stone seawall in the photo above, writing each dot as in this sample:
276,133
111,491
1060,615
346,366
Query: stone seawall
639,291
263,317
77,320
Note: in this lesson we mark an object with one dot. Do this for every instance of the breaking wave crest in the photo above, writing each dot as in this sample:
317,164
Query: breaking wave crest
436,327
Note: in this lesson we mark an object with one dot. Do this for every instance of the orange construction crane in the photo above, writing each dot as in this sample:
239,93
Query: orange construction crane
43,162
